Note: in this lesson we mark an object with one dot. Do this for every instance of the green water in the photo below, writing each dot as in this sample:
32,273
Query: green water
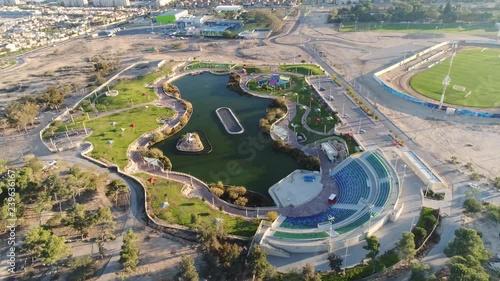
246,159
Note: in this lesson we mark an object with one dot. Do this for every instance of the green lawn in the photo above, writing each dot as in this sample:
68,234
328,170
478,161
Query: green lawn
473,28
144,119
304,69
474,69
182,208
291,235
8,63
253,69
197,64
131,91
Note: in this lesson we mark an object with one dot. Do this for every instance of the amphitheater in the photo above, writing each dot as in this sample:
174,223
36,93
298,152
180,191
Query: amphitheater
368,192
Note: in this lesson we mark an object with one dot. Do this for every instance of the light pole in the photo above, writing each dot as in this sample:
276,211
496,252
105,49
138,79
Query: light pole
404,175
407,45
446,81
343,103
370,221
435,32
331,219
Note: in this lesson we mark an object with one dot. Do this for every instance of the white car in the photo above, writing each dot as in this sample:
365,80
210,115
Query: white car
473,185
345,115
362,131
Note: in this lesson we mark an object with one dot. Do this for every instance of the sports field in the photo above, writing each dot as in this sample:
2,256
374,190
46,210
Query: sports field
474,79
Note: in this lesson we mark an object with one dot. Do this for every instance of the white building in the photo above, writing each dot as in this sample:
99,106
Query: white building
161,3
75,3
231,8
190,21
111,3
9,2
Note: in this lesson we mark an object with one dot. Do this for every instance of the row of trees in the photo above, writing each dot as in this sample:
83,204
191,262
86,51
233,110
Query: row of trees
413,11
234,194
22,112
276,109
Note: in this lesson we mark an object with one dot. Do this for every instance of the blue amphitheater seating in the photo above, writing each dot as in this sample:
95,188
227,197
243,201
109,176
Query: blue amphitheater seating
364,218
383,195
314,220
378,165
352,183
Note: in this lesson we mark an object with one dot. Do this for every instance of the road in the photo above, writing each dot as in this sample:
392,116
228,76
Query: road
376,134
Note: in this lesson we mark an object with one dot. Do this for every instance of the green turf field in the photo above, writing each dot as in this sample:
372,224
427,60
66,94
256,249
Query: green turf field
475,69
473,28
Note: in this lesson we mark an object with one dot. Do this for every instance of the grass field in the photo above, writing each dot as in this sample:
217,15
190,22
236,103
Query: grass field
304,69
197,65
480,28
182,209
145,120
475,69
131,92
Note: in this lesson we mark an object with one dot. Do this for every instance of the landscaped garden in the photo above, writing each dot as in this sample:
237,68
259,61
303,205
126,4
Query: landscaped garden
189,212
198,64
304,69
112,134
131,92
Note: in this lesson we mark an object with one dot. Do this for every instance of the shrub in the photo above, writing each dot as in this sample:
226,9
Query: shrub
272,215
472,205
241,201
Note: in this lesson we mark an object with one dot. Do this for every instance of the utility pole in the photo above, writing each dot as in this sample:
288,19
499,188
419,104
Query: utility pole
446,81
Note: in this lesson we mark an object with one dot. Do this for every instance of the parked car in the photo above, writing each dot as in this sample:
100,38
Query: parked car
361,131
321,89
473,185
345,115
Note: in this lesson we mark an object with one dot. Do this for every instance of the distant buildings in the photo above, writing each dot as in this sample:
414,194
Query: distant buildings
111,3
190,21
9,2
161,3
171,16
75,3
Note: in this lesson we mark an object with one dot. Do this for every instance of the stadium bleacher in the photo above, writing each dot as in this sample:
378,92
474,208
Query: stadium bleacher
314,220
364,218
352,183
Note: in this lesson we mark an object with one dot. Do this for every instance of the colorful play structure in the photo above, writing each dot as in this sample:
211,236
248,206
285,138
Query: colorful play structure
276,80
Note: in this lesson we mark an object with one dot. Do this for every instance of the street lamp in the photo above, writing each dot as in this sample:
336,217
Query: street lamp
331,219
446,82
371,216
404,175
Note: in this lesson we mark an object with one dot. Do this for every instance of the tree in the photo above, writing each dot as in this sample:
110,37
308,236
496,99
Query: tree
496,182
406,246
21,114
43,202
372,246
472,205
188,270
308,273
54,96
241,201
454,160
419,271
54,249
335,262
272,216
494,213
467,268
79,219
467,242
420,234
258,263
210,235
35,240
129,255
217,191
82,268
115,189
42,244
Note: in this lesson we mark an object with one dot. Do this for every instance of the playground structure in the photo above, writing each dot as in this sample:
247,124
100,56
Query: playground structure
275,82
